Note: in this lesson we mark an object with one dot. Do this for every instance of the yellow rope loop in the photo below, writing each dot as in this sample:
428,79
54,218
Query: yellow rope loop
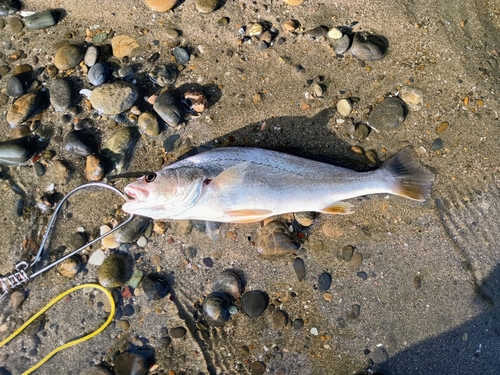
71,343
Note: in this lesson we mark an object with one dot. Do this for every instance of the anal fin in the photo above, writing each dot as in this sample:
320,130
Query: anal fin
341,208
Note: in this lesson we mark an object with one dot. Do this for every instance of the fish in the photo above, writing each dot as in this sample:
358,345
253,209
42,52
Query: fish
245,185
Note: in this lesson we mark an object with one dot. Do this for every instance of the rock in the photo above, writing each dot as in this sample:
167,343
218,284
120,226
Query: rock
274,238
328,297
368,47
123,45
115,271
77,240
155,286
61,170
342,45
388,114
317,32
164,75
118,149
178,332
167,108
437,144
324,281
9,6
91,56
60,94
148,124
347,252
74,145
135,279
254,303
133,230
126,71
70,267
355,262
206,6
128,310
113,98
97,258
39,169
344,107
258,368
280,319
161,5
94,168
128,363
25,107
41,20
413,97
229,282
362,131
16,300
181,55
68,56
172,142
298,323
335,33
16,24
299,268
124,325
98,74
15,87
362,275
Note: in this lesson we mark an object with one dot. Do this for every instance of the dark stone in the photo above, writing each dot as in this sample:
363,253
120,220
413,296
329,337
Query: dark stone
324,281
208,262
155,286
300,268
362,275
15,87
254,303
128,310
178,332
437,144
128,363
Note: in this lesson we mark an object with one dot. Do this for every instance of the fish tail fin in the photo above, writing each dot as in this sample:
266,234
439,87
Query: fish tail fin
408,178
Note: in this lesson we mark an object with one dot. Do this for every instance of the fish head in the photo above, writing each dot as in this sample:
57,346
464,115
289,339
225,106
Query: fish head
164,194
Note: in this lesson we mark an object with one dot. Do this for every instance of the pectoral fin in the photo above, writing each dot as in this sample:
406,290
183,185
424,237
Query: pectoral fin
232,176
338,208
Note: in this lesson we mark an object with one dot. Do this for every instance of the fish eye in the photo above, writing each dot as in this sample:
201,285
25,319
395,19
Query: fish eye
150,177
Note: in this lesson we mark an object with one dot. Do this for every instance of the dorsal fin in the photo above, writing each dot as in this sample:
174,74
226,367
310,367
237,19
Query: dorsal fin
231,177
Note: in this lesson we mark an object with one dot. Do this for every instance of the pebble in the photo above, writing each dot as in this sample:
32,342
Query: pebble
413,97
97,258
9,6
362,275
294,2
128,363
178,332
167,108
115,271
17,298
118,148
181,55
133,230
258,368
324,281
317,32
280,319
94,168
442,127
60,94
135,279
388,114
314,331
98,74
368,47
274,239
344,107
148,124
155,286
24,108
437,144
342,45
328,297
15,87
123,45
300,268
142,241
74,145
223,21
161,5
69,267
355,262
41,20
417,282
334,33
124,325
362,131
298,323
39,169
164,75
2,23
291,25
126,71
229,282
68,56
354,313
4,69
128,310
77,240
91,56
16,24
4,99
113,98
206,6
254,303
347,252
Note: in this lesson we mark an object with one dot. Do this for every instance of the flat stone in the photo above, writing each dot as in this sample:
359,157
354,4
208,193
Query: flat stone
178,332
388,114
148,124
181,55
368,47
299,268
41,20
123,45
254,303
16,24
161,5
60,94
91,56
344,107
355,262
347,252
15,87
68,56
24,108
113,98
324,281
206,6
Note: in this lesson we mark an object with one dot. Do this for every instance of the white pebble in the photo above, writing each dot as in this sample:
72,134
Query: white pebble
97,258
314,331
142,241
335,33
344,107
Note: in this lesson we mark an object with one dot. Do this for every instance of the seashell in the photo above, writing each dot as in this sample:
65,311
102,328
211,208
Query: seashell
216,309
164,75
133,230
194,102
229,282
98,74
368,47
70,267
306,219
256,29
275,239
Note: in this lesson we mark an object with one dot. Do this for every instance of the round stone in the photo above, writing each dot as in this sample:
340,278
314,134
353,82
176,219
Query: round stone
115,271
254,303
91,56
437,144
161,5
347,252
94,168
39,169
229,282
167,108
128,310
317,32
148,124
299,268
68,57
298,323
342,45
280,319
75,145
324,281
181,55
206,6
362,131
355,262
60,94
98,74
334,33
15,87
368,47
344,107
41,20
258,368
69,267
16,24
178,332
390,113
113,98
128,363
123,45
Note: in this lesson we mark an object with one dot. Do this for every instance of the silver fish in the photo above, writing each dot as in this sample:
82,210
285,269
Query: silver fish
243,185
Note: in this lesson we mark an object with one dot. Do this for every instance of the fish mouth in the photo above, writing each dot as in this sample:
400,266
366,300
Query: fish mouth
136,192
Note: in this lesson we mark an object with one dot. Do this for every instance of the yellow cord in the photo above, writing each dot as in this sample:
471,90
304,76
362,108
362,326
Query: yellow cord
71,343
